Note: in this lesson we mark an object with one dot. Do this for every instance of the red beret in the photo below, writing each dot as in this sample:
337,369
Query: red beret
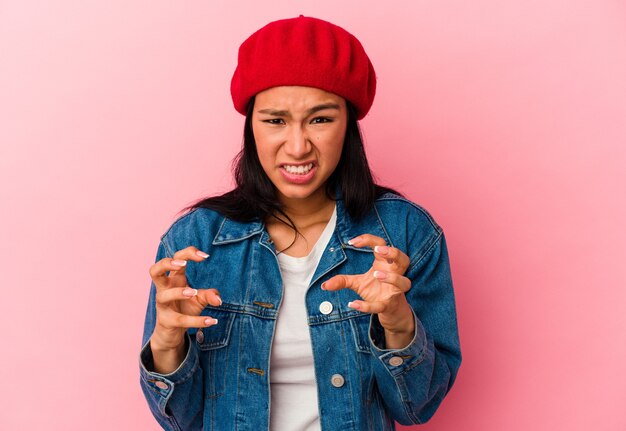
304,51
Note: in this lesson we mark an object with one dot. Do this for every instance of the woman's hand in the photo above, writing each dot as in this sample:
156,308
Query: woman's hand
178,306
382,289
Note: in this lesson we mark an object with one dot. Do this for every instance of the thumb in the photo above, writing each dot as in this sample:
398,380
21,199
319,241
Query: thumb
209,297
341,281
375,307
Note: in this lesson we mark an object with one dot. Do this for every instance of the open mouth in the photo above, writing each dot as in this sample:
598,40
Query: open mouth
298,170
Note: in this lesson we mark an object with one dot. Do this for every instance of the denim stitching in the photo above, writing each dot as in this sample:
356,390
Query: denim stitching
392,197
380,221
168,251
427,248
178,220
347,367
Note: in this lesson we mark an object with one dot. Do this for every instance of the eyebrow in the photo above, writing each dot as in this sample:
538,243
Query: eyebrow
309,112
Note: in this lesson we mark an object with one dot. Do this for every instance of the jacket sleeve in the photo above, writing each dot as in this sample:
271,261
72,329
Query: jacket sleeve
414,380
175,399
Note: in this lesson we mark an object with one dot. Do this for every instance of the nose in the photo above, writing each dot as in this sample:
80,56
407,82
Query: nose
297,144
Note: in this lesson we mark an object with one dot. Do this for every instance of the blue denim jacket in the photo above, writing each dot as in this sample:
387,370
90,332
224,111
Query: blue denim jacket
223,382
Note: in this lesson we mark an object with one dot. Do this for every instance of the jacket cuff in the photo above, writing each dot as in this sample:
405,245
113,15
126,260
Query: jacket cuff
163,384
398,361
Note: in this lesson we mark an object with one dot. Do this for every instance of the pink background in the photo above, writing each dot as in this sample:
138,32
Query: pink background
505,119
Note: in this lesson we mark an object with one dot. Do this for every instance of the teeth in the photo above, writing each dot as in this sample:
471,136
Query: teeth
298,170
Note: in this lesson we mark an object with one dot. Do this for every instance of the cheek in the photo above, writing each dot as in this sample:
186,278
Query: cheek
332,154
260,142
264,156
337,146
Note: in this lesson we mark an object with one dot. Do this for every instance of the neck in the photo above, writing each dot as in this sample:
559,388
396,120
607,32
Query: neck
310,210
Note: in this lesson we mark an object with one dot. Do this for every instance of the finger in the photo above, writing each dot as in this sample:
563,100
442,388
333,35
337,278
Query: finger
167,296
367,240
368,307
190,253
159,271
341,281
209,297
203,296
181,257
400,281
169,318
392,256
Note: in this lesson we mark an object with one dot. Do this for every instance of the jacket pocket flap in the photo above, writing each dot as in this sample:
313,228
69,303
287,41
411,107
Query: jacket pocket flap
216,336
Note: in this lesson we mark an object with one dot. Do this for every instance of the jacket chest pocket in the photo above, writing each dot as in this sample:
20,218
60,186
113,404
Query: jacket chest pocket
214,349
360,328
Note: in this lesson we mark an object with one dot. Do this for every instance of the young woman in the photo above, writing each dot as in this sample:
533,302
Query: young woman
308,297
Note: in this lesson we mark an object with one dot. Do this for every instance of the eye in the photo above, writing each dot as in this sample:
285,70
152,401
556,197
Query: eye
321,120
273,121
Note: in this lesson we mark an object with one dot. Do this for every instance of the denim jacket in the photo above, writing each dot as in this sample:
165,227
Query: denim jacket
223,382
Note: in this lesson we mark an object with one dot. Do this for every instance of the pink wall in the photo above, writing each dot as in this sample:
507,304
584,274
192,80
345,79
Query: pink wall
505,119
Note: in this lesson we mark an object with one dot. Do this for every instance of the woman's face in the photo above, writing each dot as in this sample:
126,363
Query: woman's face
299,134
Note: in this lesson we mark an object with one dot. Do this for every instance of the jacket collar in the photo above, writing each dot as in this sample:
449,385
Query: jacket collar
346,228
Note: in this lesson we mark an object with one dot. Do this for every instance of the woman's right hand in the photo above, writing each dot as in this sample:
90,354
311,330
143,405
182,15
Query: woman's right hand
178,306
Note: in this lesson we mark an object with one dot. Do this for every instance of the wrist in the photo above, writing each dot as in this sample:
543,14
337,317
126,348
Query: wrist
400,335
165,359
399,320
168,342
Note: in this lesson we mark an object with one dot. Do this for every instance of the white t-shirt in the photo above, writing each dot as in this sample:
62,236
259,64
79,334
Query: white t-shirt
294,404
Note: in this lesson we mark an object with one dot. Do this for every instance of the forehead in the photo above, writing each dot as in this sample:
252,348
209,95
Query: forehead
295,98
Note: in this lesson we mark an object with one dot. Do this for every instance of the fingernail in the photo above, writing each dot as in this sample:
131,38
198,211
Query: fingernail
354,305
354,241
323,287
202,254
382,249
210,321
179,262
380,275
220,299
190,292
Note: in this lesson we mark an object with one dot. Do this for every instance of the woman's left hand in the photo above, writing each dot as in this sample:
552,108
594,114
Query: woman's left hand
382,288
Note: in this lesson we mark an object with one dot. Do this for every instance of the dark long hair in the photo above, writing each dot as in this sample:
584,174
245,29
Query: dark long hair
254,196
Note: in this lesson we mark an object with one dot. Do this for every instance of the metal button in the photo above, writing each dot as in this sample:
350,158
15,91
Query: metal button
337,380
200,336
161,385
396,361
326,307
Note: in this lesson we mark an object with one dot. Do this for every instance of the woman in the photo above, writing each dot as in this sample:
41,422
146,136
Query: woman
308,297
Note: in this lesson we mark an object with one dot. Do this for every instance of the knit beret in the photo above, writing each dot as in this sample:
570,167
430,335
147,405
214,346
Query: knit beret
304,51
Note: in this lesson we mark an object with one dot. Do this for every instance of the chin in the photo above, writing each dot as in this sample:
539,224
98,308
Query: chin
300,192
